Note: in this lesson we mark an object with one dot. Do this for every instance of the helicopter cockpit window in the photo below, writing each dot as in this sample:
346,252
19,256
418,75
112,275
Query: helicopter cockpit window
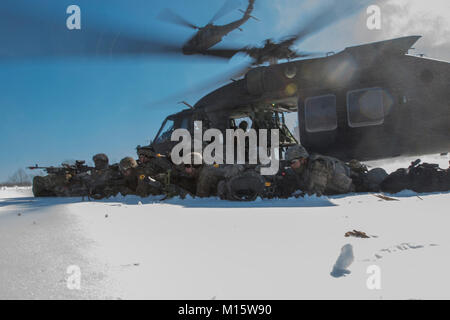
320,113
184,123
365,107
166,131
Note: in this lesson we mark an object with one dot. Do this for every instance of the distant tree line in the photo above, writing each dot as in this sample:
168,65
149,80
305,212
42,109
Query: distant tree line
19,178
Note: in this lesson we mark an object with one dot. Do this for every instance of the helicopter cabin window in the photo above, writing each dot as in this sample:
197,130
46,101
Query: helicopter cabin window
166,131
365,107
243,123
320,113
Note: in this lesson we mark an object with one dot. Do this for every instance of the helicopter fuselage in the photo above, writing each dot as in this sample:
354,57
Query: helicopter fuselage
367,102
210,35
204,39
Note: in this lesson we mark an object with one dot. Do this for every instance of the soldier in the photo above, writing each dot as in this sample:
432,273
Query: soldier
241,184
104,178
152,162
65,181
156,175
366,180
127,167
101,161
419,177
206,177
319,174
52,185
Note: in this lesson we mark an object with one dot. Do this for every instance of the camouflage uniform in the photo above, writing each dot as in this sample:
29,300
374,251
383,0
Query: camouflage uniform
105,180
320,174
153,163
366,180
209,177
419,178
204,179
65,181
156,175
128,170
52,185
241,184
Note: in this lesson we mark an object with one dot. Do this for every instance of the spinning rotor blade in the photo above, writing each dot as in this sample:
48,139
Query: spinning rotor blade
307,54
168,15
204,86
53,42
326,17
221,53
37,36
227,7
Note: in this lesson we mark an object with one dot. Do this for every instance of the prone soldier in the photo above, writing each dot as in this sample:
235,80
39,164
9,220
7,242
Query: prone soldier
206,178
366,180
157,175
419,177
128,170
65,181
316,174
105,180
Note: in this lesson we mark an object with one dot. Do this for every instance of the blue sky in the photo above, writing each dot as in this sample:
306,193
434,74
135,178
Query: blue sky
52,110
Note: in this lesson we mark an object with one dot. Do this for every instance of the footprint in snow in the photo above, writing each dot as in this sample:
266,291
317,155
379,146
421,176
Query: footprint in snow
402,247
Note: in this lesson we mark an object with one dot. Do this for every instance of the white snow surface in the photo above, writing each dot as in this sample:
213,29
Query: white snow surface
133,248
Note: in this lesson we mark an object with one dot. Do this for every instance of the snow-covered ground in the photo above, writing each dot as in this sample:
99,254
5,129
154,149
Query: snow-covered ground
210,249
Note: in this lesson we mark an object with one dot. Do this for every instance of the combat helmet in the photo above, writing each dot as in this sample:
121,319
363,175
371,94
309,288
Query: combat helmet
357,166
127,163
101,160
148,151
296,152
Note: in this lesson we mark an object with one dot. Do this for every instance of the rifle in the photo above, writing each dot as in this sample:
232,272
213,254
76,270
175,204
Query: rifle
77,176
77,168
414,164
283,184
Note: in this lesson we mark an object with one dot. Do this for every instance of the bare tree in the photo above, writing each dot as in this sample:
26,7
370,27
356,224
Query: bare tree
19,178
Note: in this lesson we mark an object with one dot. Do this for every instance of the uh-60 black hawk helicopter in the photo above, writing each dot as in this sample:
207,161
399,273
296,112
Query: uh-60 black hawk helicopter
366,102
209,35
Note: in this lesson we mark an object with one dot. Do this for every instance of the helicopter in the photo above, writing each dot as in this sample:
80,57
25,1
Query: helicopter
367,102
270,52
103,41
209,35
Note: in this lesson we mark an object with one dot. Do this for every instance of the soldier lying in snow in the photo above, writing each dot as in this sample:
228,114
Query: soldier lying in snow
65,181
316,174
418,177
301,172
